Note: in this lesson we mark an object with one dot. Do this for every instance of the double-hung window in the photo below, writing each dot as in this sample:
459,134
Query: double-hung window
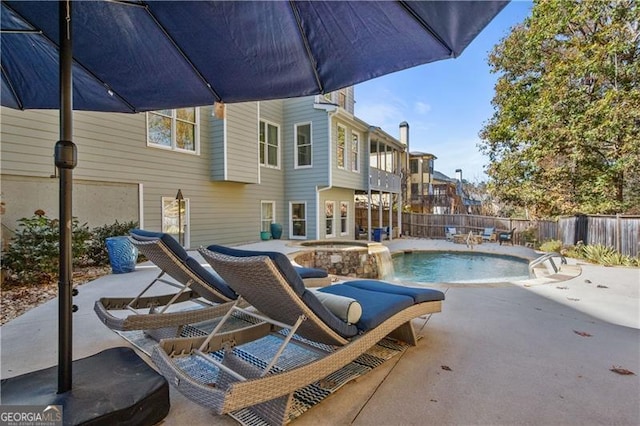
344,217
329,209
174,129
269,144
355,151
298,220
303,145
341,144
267,215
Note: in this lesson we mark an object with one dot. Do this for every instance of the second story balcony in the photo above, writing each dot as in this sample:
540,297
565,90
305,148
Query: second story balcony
380,180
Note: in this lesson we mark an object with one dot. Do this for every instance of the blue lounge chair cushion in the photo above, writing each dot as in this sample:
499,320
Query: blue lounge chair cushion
167,239
375,309
310,272
419,295
211,278
281,261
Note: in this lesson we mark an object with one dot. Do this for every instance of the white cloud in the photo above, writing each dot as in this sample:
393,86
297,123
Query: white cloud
421,107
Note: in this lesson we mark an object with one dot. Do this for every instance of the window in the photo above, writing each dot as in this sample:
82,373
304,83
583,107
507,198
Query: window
355,151
344,216
415,191
267,209
329,210
175,129
342,98
269,144
175,219
298,220
303,145
413,165
341,145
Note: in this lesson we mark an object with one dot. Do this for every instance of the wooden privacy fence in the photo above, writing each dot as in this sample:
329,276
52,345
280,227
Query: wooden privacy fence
619,232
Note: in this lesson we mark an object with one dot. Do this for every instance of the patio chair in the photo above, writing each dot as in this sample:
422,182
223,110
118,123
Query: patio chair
449,232
506,237
268,282
312,277
489,234
194,283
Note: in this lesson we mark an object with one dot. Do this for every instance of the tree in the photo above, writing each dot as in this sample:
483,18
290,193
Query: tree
565,134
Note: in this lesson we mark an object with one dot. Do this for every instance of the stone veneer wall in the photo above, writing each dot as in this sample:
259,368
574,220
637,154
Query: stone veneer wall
353,262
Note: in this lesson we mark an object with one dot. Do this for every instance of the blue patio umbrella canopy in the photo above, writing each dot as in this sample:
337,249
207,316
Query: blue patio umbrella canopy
133,56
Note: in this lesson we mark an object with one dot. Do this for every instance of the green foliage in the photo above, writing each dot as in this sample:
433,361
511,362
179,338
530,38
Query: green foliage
551,246
565,135
601,255
33,254
96,247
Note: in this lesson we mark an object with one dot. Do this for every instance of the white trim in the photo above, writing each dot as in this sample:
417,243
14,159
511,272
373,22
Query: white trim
333,219
273,210
141,205
345,157
359,150
306,221
266,154
347,218
187,221
225,140
258,138
295,144
174,119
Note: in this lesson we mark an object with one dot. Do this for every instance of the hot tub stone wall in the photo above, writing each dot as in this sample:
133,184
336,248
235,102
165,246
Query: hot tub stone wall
351,263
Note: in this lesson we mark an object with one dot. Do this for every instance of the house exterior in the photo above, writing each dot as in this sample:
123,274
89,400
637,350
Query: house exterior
420,181
239,167
449,197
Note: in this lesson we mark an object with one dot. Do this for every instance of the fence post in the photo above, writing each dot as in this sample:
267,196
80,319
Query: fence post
618,233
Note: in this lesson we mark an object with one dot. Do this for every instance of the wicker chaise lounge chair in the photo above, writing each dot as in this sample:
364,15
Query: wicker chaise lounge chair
268,282
194,282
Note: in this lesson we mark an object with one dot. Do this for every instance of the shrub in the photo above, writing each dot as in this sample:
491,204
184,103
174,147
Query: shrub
33,253
551,246
97,247
601,255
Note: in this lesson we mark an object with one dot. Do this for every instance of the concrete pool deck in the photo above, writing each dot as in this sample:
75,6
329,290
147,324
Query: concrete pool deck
520,353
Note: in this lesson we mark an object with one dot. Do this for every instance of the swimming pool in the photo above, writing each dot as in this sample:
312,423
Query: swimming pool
458,267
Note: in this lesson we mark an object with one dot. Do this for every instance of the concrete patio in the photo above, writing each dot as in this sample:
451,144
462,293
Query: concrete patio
500,353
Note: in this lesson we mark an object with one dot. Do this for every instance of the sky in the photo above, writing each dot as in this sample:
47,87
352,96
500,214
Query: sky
446,103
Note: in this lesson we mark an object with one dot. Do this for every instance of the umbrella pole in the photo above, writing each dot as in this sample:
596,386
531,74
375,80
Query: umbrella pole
66,160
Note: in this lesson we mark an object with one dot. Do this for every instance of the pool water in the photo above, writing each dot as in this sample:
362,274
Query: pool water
464,267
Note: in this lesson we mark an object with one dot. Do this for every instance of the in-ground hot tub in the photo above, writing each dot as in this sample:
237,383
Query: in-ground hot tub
346,258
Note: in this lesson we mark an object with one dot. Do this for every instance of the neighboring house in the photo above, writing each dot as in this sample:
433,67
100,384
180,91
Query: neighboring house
420,181
448,196
240,167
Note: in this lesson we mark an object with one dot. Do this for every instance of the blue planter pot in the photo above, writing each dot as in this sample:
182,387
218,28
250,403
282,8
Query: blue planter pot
276,231
265,235
122,254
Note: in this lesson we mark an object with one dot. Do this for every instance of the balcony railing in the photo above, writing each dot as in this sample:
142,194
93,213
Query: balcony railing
380,180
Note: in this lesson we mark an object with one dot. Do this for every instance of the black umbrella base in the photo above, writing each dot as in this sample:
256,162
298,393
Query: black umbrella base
112,387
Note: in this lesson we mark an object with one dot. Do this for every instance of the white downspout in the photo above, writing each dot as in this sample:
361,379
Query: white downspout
330,115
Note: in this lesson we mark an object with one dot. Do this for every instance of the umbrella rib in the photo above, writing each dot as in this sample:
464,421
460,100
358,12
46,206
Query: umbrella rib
183,54
110,91
426,26
13,90
307,46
